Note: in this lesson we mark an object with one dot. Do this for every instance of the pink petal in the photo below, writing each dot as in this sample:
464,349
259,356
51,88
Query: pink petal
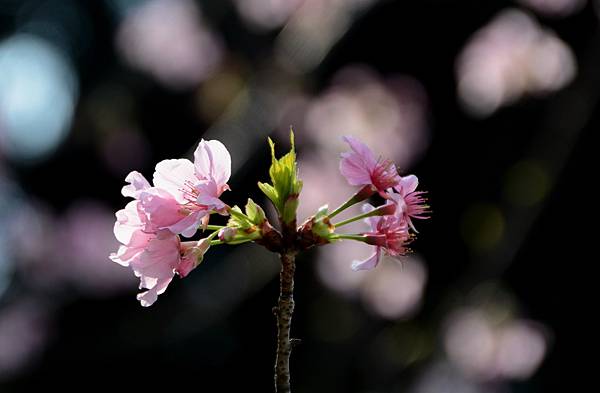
175,176
400,202
124,255
362,151
128,222
137,183
353,170
212,162
188,263
408,184
368,263
371,221
160,208
149,297
155,266
189,225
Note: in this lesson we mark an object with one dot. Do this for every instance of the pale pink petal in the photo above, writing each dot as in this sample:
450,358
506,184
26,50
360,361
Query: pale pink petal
156,266
363,152
175,176
127,253
160,208
149,297
400,202
211,202
371,221
408,184
128,222
208,187
137,183
124,255
368,263
353,170
212,161
189,225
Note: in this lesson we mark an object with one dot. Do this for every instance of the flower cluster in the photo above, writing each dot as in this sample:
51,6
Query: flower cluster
391,223
184,195
181,199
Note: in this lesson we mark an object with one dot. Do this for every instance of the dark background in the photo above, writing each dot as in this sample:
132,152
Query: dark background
214,331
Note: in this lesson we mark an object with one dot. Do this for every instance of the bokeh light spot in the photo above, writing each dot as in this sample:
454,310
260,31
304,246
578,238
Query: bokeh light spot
482,226
38,90
527,183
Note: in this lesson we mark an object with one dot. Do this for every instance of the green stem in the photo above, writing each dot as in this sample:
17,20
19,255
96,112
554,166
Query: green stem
341,208
231,243
383,210
360,196
352,219
214,227
341,236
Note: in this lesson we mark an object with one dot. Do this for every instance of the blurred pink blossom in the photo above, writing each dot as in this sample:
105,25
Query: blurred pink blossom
167,39
510,57
375,110
394,290
23,334
556,8
73,251
486,348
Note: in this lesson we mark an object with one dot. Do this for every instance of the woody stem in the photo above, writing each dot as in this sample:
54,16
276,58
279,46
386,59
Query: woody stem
283,312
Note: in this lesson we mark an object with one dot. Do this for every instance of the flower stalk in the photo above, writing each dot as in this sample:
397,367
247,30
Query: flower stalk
361,195
380,211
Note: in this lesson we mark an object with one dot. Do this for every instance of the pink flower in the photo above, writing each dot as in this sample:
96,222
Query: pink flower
411,203
184,193
196,187
154,256
360,167
159,207
389,234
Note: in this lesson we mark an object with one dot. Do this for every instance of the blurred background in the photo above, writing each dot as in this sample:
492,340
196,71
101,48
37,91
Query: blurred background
491,103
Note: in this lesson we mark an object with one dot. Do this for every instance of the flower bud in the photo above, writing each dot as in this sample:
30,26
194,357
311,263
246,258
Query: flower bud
227,234
192,256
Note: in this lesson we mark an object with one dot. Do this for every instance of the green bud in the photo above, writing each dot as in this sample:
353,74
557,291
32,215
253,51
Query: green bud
321,226
286,186
255,213
249,224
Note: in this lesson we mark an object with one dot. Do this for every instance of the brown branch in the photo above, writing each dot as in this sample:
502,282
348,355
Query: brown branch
284,311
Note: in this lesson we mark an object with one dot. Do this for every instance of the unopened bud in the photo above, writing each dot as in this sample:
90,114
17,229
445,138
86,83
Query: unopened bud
227,234
192,256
